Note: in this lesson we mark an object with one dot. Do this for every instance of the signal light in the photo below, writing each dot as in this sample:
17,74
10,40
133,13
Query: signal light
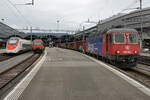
117,52
135,52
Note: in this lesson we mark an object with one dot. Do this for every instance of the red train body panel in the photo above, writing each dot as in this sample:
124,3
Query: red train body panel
38,46
123,49
17,45
119,46
12,47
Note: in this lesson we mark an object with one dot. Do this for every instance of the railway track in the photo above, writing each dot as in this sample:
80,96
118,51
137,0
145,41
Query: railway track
4,57
140,74
145,60
11,76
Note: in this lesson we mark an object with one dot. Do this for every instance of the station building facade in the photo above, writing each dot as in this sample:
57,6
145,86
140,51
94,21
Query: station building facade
135,20
130,20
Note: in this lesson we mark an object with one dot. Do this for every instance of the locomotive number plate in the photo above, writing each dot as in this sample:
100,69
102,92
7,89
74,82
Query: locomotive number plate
126,51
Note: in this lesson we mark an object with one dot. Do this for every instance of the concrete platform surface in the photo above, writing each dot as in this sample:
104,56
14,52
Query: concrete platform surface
2,50
68,75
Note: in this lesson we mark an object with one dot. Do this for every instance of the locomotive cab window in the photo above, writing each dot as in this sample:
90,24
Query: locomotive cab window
119,37
37,43
133,38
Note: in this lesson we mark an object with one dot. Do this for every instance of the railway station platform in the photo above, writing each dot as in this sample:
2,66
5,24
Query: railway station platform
70,75
2,50
145,54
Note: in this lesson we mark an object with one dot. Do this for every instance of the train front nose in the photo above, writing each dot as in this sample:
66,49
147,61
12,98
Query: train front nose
11,47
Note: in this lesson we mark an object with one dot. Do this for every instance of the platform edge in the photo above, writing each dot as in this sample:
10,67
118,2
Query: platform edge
21,86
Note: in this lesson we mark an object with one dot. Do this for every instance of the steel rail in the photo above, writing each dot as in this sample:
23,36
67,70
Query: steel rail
9,77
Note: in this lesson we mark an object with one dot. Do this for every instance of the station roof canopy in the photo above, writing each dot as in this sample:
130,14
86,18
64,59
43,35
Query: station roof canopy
48,34
122,30
1,40
87,31
6,31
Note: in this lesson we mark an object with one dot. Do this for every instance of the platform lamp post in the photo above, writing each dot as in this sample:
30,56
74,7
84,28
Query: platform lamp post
31,3
88,21
141,20
58,29
3,19
83,33
31,34
58,24
93,22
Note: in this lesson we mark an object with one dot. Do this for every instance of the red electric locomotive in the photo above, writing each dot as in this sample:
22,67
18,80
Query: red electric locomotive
121,46
38,46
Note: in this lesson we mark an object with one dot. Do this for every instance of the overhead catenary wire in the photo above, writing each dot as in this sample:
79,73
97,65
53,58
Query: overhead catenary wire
12,11
27,22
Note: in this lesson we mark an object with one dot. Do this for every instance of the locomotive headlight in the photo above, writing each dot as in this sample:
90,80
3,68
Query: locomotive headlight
117,52
135,52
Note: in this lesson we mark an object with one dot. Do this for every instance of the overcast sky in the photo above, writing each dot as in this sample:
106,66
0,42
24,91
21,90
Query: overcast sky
71,13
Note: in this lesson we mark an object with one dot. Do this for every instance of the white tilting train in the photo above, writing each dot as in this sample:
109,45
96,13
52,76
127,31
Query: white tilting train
16,45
